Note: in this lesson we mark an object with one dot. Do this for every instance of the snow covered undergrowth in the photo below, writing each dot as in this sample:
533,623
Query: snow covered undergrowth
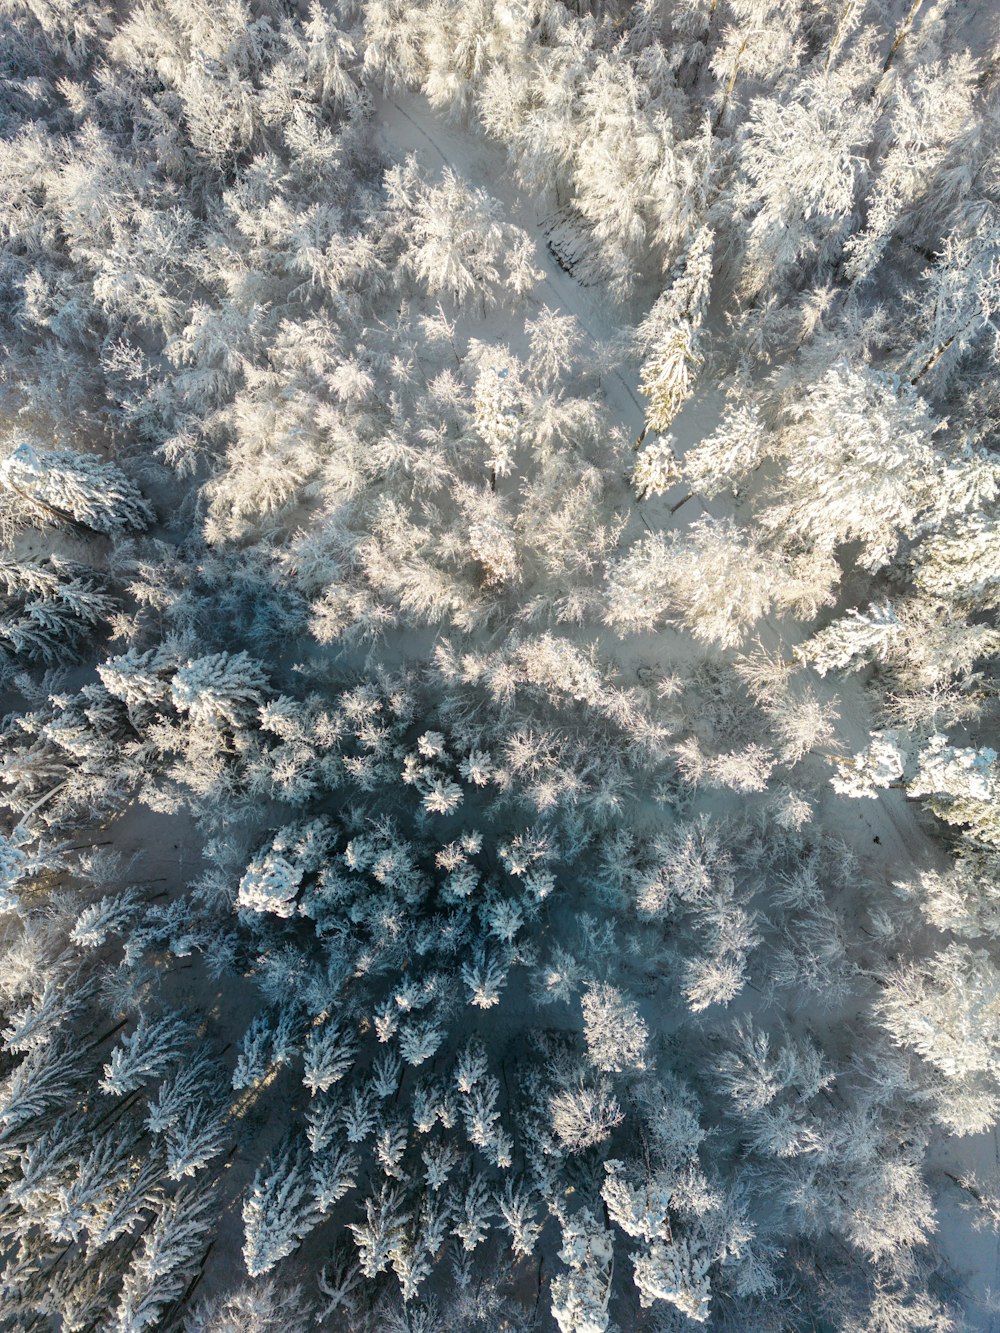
498,642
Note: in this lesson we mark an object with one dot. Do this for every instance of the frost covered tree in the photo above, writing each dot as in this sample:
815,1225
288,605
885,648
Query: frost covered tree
963,291
167,1258
859,465
669,336
456,240
852,641
219,688
880,765
380,1236
262,1307
580,1293
716,578
584,1114
675,1272
926,652
373,849
496,413
927,115
802,164
964,898
730,453
48,609
959,563
657,468
273,880
756,37
616,1036
88,1190
946,1010
66,485
961,784
143,1054
279,1210
958,783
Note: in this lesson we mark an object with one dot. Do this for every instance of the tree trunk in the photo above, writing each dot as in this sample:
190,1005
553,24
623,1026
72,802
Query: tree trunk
61,515
41,801
935,355
849,7
731,83
902,34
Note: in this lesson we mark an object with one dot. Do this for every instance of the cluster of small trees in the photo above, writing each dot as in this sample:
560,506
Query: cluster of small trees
391,1009
417,884
111,1138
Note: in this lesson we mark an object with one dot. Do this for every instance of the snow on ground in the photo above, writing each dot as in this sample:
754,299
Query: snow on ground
409,125
889,835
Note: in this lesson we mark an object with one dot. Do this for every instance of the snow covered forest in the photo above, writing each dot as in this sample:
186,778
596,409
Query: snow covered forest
500,522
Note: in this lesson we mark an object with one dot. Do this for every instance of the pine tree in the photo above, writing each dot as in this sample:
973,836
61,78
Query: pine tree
853,641
518,1208
617,1038
962,297
961,564
669,335
167,1259
961,785
927,113
859,464
802,164
657,468
581,1294
334,1174
731,453
676,1272
65,485
381,1235
280,1208
219,688
472,1210
48,611
329,1055
144,1054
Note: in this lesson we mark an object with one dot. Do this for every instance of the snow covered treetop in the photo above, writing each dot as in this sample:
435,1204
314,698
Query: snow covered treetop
68,485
